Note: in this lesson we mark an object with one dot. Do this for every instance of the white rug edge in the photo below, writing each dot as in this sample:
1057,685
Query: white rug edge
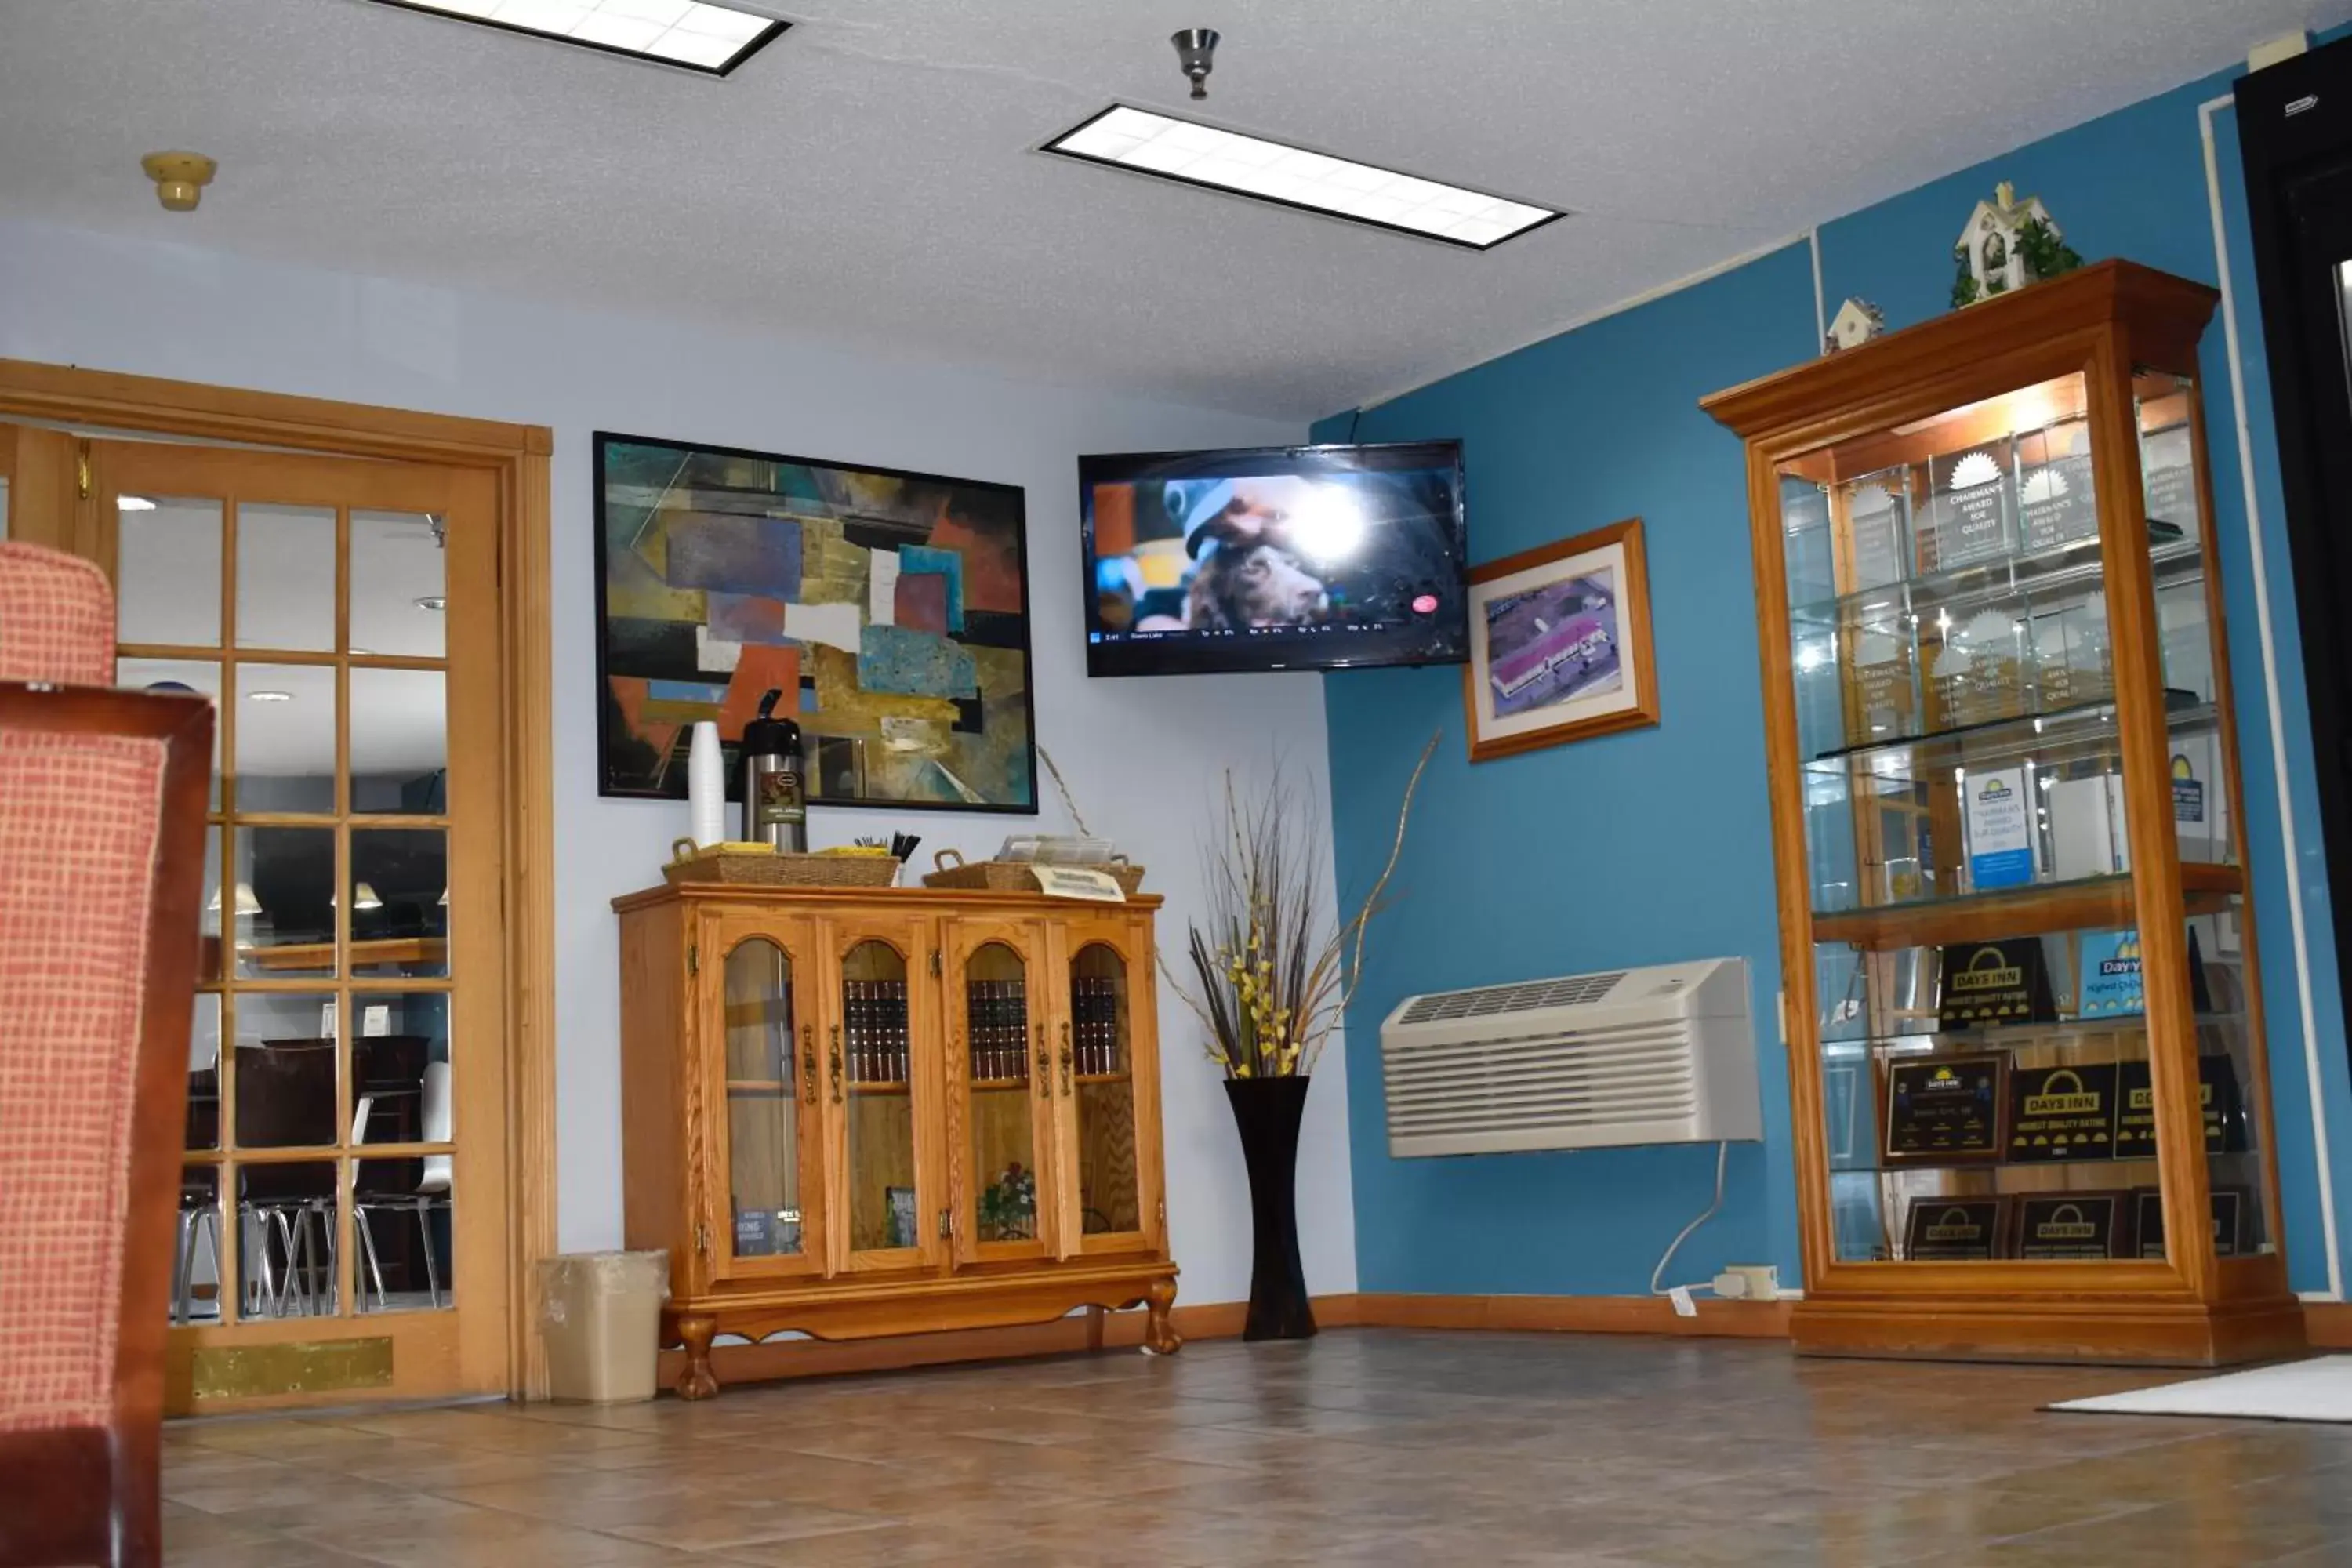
2242,1394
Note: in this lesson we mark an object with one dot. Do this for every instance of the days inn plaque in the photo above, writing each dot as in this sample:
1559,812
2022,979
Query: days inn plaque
1953,1230
1942,1109
1988,982
2061,1113
2068,1227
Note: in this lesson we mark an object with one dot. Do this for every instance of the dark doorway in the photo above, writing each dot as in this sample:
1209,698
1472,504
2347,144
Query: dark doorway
2294,123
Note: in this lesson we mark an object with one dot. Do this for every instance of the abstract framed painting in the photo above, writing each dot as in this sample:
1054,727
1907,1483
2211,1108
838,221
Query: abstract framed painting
1560,644
891,608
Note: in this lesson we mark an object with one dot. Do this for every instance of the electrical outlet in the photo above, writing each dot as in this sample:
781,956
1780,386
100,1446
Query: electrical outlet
1763,1281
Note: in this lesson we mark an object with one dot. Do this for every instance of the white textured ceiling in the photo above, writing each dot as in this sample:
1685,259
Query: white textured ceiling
867,177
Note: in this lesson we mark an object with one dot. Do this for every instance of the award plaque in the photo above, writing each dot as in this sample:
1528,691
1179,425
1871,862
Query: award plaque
2231,1206
2061,1113
2068,1227
2110,982
2167,471
1878,514
2073,661
1942,1109
1978,671
1882,689
2057,504
1995,983
1953,1230
1805,538
1969,514
2217,1093
1999,828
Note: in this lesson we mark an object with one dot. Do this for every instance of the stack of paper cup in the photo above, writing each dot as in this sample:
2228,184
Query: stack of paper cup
706,786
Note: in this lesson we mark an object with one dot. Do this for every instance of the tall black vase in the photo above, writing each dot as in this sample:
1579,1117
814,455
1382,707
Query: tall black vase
1266,1111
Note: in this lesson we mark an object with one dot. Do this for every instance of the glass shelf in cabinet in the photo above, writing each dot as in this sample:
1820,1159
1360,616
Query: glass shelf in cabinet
2037,908
2076,564
1930,1042
2053,736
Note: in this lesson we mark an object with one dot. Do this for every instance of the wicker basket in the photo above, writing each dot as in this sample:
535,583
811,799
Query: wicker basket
739,867
1012,876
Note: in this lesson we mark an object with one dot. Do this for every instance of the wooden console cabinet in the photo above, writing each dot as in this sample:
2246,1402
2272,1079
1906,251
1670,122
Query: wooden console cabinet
857,1113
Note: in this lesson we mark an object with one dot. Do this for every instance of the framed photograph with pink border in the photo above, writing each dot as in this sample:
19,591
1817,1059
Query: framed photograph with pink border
1560,644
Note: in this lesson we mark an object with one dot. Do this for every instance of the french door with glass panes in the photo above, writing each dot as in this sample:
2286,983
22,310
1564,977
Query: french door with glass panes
343,1206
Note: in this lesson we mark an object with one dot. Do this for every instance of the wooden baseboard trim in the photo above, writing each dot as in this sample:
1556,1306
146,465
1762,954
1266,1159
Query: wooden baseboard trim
1573,1315
2327,1325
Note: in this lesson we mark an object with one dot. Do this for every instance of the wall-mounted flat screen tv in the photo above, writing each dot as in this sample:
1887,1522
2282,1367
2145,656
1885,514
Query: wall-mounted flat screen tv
1274,558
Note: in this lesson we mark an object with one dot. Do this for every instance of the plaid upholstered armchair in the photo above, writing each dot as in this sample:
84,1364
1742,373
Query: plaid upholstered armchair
102,798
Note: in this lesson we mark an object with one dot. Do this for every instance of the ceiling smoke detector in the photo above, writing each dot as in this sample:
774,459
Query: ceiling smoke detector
179,178
1196,52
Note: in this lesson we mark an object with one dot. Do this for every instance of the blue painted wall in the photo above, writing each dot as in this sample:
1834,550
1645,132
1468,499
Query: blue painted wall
1653,845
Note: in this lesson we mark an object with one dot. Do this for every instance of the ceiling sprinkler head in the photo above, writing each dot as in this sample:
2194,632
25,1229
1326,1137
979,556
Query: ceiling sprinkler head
1196,51
179,178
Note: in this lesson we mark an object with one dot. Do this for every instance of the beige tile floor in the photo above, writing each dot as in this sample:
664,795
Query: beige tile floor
1364,1447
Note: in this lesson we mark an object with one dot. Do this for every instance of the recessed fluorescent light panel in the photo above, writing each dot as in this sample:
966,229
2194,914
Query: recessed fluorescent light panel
1252,166
696,34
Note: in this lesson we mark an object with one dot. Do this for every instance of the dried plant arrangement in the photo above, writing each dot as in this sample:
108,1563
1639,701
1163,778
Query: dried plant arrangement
1268,984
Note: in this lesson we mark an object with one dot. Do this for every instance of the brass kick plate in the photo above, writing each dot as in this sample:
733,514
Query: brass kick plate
319,1366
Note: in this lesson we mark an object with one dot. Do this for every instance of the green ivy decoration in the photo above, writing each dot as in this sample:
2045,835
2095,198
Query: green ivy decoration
2046,255
1964,282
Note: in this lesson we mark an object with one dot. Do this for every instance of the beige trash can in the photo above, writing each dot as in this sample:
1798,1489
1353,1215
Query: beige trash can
600,1313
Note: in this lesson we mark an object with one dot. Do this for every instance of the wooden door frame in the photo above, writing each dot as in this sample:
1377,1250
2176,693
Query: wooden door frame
517,455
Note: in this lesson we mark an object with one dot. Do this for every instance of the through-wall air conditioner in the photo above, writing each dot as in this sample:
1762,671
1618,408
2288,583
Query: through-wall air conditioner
1662,1055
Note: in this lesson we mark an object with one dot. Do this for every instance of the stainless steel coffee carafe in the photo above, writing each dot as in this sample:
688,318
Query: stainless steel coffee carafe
775,800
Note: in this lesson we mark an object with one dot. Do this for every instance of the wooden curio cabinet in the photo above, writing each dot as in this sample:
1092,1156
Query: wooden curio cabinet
2021,998
860,1113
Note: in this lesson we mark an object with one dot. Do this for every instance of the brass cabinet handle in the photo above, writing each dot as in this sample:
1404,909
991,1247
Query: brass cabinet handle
1065,1059
1045,1065
808,1062
836,1064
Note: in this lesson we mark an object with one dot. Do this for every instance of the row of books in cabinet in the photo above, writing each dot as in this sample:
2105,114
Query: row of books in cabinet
2062,1226
874,1019
1095,1011
996,1028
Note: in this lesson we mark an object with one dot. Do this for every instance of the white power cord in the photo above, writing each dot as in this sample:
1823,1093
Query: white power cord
1722,1158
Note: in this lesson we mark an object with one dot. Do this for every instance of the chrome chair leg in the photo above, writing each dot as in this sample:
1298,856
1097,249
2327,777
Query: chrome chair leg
207,1229
183,1266
277,1226
367,1250
432,1269
257,1267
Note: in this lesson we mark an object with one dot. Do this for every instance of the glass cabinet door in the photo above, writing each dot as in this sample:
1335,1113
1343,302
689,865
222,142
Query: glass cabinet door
999,1058
1985,1054
774,1209
1095,1067
874,1038
2231,1066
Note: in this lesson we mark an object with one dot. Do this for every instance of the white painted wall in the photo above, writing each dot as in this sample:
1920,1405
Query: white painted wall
1142,755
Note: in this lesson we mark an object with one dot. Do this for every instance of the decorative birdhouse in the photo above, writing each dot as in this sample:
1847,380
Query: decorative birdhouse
1856,322
2006,244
